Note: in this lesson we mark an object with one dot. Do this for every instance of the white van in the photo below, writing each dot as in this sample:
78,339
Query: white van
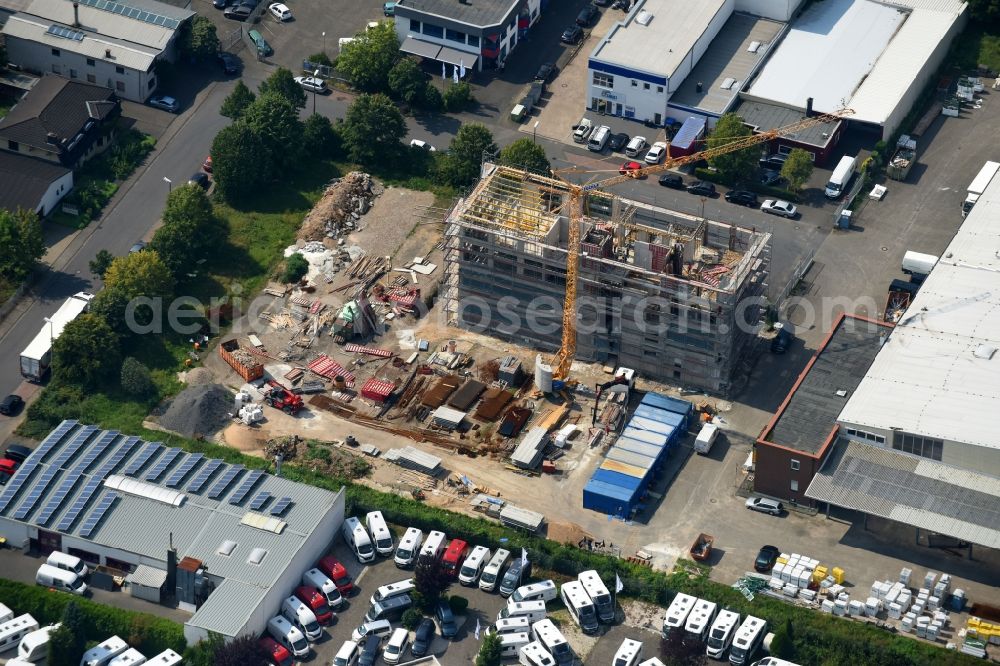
347,655
918,265
359,541
434,545
302,617
165,658
580,606
12,631
408,548
533,610
677,613
35,645
598,593
102,653
491,574
60,579
720,636
319,580
706,438
841,177
130,657
544,590
473,566
380,533
700,620
629,653
533,654
68,562
395,648
599,139
6,614
546,633
287,634
513,625
393,590
511,643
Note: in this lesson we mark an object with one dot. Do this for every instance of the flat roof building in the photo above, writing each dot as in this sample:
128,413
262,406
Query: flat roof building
818,140
241,538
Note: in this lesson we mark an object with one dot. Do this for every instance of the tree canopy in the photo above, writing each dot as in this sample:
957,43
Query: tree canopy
200,39
21,243
461,165
237,101
430,580
282,82
407,81
367,61
797,169
276,122
189,229
525,154
136,275
490,651
373,130
739,165
240,161
99,264
86,352
320,139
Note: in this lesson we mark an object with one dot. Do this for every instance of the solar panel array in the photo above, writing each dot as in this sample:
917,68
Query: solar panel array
92,486
148,451
122,452
97,449
167,459
201,478
40,488
103,505
79,439
53,440
226,480
248,483
31,464
258,502
59,496
132,12
281,506
183,470
65,33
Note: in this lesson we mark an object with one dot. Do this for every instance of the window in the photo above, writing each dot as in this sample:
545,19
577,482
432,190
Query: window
454,35
90,62
795,465
120,86
473,40
91,78
152,82
56,52
861,434
635,84
795,485
119,70
659,89
13,146
414,25
72,73
433,30
925,447
604,80
645,86
55,69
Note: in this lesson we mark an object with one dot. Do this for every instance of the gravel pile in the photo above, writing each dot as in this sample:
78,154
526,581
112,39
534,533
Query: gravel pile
199,411
341,206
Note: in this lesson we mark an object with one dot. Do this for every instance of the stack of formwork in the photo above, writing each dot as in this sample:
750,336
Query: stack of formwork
529,452
436,395
414,459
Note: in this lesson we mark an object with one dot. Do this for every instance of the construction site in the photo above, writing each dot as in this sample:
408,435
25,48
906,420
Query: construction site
676,297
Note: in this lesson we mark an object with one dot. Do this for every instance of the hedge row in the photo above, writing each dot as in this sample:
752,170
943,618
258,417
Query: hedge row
147,633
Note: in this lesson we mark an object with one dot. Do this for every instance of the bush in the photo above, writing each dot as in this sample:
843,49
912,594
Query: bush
296,266
458,97
411,618
459,604
136,378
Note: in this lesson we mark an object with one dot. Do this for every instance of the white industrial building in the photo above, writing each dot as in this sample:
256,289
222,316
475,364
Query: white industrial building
225,542
919,440
873,57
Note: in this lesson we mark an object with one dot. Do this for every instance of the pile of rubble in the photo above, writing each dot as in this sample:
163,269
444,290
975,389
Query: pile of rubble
340,208
323,262
199,411
287,446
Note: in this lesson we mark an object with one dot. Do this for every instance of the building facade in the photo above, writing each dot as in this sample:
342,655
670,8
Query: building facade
32,184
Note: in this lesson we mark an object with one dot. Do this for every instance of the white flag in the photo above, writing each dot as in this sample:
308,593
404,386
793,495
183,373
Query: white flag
524,557
477,628
618,584
461,69
444,72
454,73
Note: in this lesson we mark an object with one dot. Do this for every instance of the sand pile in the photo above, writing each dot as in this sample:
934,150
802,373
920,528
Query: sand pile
199,411
341,206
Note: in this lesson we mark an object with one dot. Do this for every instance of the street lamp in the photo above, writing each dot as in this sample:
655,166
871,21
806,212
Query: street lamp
315,92
170,184
324,42
703,208
534,132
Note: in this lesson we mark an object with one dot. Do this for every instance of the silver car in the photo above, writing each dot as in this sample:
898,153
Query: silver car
779,207
165,102
312,83
765,505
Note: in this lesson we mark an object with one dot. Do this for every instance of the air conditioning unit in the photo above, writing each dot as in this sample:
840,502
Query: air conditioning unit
643,18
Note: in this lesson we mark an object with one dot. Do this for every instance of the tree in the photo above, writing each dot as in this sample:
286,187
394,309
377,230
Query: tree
525,154
134,276
458,97
189,229
489,651
99,264
136,378
797,169
411,618
373,129
242,651
430,580
739,165
320,139
240,162
983,11
460,167
783,643
320,58
407,81
276,123
21,243
432,100
367,60
68,642
296,266
237,102
282,82
86,353
200,39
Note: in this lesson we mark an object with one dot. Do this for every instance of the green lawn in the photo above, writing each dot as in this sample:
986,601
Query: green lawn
975,47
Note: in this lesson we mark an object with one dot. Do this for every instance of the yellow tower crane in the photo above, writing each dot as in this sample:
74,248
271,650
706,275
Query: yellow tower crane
567,351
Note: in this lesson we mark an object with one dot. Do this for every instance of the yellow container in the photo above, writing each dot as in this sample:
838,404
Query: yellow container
782,560
838,575
819,573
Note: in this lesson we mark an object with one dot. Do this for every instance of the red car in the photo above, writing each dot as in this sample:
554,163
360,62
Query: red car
336,572
311,597
630,169
7,469
276,653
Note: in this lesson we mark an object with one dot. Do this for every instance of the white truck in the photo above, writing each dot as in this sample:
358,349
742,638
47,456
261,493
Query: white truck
918,265
841,177
706,438
978,185
37,356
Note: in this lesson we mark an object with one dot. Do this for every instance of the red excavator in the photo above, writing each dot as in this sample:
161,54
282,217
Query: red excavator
281,398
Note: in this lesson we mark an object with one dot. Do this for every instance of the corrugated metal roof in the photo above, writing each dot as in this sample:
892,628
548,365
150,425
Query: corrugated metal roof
609,490
661,415
645,448
113,25
147,577
525,517
631,458
613,478
217,613
529,451
914,491
131,56
448,415
624,468
668,403
926,380
651,425
647,436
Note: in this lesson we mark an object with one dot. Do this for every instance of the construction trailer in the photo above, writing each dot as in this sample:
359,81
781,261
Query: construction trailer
658,291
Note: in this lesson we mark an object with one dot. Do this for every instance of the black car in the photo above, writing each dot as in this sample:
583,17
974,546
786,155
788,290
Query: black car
446,620
742,198
200,179
11,405
370,651
774,162
238,13
230,64
18,453
423,638
587,16
702,187
572,35
546,72
766,558
672,180
220,4
782,341
617,142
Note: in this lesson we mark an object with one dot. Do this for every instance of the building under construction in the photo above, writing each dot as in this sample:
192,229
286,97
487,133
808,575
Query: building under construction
674,296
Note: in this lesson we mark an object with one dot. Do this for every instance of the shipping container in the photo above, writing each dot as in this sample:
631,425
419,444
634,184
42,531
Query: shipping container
246,365
661,415
654,451
648,436
675,405
599,496
624,468
613,478
671,432
687,139
631,458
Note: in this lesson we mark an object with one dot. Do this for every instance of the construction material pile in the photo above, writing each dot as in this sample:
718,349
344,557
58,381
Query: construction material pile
340,208
287,446
199,411
323,262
